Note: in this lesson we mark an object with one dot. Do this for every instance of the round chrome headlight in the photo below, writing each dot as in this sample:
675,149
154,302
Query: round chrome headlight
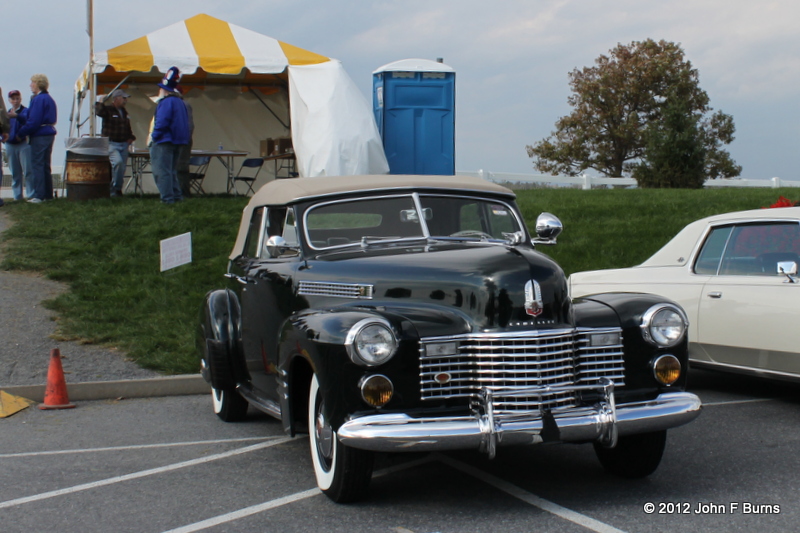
371,342
664,325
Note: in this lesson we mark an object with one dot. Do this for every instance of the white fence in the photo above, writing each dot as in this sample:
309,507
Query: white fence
587,182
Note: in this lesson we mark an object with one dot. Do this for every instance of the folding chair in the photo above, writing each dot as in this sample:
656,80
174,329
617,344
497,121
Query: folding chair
197,173
250,163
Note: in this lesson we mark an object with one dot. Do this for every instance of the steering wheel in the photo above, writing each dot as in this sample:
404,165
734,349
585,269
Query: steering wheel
472,233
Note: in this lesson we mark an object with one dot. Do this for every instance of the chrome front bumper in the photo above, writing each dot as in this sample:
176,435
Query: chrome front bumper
600,423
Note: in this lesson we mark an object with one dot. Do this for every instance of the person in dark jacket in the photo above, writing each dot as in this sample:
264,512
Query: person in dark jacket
40,128
18,149
170,132
117,127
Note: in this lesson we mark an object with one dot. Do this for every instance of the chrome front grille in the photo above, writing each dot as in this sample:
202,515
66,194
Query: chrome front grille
460,366
359,291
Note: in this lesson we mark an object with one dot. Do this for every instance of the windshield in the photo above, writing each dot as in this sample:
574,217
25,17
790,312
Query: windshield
368,220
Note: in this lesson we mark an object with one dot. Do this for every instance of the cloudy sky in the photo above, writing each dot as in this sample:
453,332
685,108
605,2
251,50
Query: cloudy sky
511,57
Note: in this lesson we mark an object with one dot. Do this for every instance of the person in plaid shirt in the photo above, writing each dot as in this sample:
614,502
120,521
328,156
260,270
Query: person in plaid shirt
117,127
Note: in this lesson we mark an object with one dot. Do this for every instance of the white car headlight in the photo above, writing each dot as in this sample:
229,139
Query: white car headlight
371,342
664,325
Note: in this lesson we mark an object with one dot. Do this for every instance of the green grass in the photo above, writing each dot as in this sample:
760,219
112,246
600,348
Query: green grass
107,251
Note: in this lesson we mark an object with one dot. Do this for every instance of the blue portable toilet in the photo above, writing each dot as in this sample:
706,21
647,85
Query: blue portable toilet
414,103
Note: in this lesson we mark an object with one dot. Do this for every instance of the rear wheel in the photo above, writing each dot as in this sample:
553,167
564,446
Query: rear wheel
634,456
343,473
228,404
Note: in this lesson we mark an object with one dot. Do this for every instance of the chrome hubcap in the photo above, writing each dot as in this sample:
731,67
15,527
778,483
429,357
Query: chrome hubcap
324,436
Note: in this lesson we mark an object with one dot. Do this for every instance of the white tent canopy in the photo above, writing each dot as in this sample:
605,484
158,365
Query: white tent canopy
244,88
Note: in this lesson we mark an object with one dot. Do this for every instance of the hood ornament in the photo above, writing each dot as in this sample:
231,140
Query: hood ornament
533,298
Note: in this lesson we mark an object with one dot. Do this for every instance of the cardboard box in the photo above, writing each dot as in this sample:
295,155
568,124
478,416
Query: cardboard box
276,146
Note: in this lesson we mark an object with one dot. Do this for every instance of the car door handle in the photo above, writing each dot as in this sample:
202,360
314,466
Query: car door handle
715,294
240,279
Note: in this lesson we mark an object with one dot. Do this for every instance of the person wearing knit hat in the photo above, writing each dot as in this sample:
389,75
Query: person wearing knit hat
170,132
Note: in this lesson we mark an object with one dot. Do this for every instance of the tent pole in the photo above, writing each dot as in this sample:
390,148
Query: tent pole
92,76
268,108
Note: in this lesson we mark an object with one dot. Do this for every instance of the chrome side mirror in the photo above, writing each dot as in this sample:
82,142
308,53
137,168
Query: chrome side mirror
275,246
789,269
548,228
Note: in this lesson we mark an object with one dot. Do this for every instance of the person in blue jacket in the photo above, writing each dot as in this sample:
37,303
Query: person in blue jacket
18,149
4,128
40,128
170,132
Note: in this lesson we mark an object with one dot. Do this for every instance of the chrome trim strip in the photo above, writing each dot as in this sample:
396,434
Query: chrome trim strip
400,432
744,370
355,291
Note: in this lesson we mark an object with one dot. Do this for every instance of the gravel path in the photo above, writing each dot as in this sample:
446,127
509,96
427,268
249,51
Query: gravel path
25,336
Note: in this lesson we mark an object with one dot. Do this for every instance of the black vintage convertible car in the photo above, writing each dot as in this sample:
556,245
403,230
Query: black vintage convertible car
412,313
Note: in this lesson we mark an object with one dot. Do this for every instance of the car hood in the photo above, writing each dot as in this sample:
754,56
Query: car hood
484,284
657,280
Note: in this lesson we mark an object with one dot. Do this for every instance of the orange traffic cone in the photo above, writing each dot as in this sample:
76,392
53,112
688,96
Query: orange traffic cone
55,395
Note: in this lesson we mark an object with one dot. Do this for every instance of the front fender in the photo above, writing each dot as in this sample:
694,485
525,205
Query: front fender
626,310
313,341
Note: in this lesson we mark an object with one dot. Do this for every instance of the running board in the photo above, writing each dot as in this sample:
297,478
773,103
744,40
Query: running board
270,407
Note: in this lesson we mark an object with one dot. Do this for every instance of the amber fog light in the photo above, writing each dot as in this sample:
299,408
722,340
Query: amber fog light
376,390
667,369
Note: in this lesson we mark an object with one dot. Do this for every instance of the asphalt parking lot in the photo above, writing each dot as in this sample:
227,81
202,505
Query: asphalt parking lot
168,464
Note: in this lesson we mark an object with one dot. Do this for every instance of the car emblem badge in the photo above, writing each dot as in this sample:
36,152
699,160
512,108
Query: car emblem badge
533,298
442,378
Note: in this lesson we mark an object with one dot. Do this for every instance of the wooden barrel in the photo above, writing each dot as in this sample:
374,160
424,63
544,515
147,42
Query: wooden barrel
87,177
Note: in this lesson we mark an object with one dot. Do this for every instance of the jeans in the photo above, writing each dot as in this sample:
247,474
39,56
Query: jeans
118,156
164,164
41,152
19,162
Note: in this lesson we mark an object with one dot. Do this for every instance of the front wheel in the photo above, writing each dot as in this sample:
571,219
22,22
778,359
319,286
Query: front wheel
343,473
634,456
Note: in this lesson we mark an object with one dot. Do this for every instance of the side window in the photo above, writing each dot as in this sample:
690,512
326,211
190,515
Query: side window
501,220
494,219
711,254
254,233
756,249
290,229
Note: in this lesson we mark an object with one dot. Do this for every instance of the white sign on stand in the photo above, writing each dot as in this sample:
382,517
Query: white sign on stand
176,251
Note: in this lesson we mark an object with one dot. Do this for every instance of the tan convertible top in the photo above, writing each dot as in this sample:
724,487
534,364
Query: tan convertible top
286,191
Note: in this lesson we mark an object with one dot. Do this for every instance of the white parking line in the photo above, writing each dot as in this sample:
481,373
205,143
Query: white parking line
532,499
735,402
137,447
272,504
141,474
508,488
247,511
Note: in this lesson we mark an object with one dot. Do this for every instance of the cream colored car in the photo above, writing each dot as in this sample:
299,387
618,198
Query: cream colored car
736,277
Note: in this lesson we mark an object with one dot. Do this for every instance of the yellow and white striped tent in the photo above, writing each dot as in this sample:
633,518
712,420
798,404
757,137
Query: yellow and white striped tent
244,87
